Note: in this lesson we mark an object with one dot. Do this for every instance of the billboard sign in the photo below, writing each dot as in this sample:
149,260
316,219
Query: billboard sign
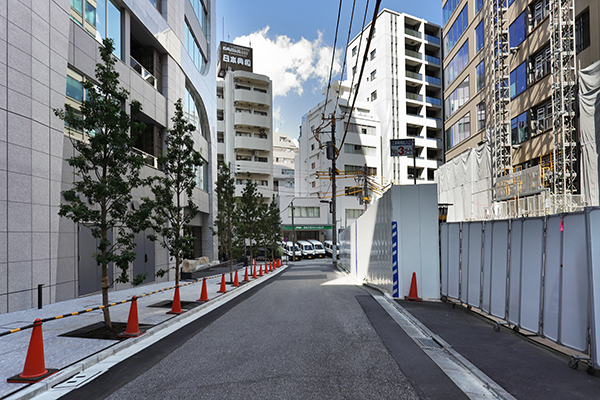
238,58
401,147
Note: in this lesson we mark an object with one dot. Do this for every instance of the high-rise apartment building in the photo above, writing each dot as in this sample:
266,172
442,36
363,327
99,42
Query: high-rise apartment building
285,151
510,75
245,119
402,83
164,52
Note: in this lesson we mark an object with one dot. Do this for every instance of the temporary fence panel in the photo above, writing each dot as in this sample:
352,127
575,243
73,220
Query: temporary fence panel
574,301
593,219
487,266
453,260
531,274
464,261
552,287
474,256
499,269
514,278
444,257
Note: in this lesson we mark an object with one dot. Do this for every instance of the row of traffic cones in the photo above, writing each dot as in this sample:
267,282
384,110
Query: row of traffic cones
35,366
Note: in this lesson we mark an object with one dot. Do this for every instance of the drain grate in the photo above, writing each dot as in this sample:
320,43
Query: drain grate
77,380
429,343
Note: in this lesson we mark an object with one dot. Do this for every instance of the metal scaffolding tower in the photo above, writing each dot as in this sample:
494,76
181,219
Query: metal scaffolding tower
562,53
500,136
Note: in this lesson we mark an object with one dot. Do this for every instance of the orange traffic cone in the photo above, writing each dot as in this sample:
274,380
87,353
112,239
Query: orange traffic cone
176,309
254,273
223,288
260,271
236,283
412,295
35,367
266,268
204,293
246,275
133,327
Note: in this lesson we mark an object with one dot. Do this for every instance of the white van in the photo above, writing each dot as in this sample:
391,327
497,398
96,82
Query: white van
288,248
307,249
319,249
328,244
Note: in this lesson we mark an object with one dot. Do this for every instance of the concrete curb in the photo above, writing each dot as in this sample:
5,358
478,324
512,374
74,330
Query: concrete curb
140,342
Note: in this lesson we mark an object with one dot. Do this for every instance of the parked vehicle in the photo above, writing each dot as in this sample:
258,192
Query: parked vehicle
319,249
328,244
288,249
308,251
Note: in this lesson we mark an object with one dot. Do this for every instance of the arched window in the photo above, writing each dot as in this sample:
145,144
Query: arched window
194,112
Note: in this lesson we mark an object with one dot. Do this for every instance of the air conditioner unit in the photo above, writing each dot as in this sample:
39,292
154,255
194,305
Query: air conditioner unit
256,152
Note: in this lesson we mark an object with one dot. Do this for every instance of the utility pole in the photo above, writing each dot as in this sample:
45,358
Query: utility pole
365,187
293,233
333,190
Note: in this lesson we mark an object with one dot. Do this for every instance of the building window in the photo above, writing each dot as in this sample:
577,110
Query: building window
287,172
539,65
353,213
480,75
191,111
456,30
539,10
100,18
457,98
518,80
542,118
354,51
243,134
312,165
458,132
373,74
355,191
373,54
481,116
201,14
449,8
478,5
457,64
582,30
517,31
202,176
519,129
305,212
193,49
359,149
374,95
479,37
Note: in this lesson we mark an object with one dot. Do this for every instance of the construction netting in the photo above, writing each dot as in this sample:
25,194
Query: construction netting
589,127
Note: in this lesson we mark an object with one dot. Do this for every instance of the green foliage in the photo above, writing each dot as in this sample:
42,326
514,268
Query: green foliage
172,206
272,230
105,169
226,220
251,209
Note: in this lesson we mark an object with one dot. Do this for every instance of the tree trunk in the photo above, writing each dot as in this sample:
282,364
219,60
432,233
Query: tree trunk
104,284
177,269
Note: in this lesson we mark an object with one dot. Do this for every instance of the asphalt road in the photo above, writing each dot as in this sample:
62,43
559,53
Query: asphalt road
303,335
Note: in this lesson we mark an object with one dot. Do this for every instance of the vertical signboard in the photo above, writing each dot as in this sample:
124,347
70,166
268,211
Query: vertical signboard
234,57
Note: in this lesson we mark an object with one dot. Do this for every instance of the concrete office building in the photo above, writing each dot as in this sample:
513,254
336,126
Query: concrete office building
285,151
402,84
499,65
165,52
245,119
359,149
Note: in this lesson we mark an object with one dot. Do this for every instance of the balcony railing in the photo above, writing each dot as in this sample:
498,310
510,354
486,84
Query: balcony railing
433,100
432,39
414,96
434,118
414,75
147,76
412,32
433,79
432,59
413,53
410,114
149,159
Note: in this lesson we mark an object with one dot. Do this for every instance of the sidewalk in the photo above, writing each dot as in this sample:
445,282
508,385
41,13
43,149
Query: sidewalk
65,353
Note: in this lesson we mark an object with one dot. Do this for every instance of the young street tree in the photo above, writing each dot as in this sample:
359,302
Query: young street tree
173,208
226,220
250,209
273,227
106,170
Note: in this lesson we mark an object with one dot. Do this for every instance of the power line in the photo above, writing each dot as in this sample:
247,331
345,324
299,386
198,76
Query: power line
333,52
346,52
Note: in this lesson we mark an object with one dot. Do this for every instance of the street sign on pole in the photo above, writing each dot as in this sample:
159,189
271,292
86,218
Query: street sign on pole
401,147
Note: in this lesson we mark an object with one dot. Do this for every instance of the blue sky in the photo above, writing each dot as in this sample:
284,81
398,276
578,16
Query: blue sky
292,43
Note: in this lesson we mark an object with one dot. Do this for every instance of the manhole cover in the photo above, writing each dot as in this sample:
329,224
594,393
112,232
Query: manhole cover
429,343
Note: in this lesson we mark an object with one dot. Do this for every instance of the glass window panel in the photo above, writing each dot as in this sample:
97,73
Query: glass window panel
457,64
74,88
77,5
90,13
517,30
479,38
100,20
114,27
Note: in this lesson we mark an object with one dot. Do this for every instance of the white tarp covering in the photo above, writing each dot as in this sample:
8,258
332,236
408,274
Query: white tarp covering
465,182
589,127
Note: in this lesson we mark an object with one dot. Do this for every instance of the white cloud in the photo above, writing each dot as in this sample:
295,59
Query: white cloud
278,120
290,64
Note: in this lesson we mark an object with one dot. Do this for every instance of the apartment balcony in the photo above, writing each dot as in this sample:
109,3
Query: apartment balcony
432,39
251,97
253,167
257,120
412,53
433,80
432,59
143,72
412,32
434,101
252,143
414,97
414,75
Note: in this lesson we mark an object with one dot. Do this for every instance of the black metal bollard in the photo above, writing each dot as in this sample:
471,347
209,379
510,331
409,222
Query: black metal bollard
40,296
